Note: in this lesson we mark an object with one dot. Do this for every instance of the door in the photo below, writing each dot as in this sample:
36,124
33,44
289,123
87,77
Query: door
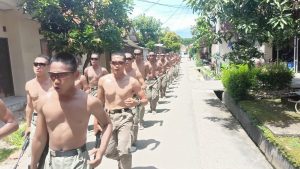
6,82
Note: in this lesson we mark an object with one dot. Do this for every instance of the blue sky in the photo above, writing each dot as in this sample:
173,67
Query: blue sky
175,15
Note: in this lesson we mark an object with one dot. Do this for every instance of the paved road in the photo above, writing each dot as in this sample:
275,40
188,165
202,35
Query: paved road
192,130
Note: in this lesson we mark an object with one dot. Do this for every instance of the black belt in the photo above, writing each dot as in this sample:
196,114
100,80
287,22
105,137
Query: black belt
34,114
68,153
119,110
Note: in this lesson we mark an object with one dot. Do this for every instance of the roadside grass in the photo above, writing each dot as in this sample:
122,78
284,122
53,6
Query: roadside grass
272,111
16,140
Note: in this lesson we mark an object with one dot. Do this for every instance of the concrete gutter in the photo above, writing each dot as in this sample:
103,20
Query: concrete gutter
273,155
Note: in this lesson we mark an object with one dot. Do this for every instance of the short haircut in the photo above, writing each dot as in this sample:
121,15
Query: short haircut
120,54
97,54
137,51
128,54
44,56
66,58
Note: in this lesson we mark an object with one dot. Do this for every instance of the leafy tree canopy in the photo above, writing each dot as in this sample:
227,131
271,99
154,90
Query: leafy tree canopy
187,41
171,41
81,26
148,29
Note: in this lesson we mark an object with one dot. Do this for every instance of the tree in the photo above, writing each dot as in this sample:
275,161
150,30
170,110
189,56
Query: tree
148,30
171,41
187,41
251,21
81,26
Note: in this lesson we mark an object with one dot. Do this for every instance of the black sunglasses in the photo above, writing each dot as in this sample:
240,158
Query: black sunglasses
59,75
94,58
117,62
128,58
36,64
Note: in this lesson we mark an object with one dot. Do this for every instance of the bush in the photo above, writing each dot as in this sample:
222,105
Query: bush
238,79
274,76
199,62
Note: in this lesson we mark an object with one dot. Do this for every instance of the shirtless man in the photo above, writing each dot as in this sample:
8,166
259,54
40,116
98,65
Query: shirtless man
139,66
117,91
81,83
36,88
64,120
135,74
93,73
162,63
152,70
7,117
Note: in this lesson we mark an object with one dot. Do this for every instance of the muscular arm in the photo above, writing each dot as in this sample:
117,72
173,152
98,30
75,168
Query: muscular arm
85,85
28,110
102,117
141,80
40,137
140,93
101,97
86,74
104,71
100,92
7,117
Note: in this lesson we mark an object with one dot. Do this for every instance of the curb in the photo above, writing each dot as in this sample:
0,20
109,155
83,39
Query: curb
270,151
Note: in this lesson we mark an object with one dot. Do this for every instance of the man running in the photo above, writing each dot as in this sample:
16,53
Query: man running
139,66
135,74
117,91
152,70
94,72
7,117
63,116
35,88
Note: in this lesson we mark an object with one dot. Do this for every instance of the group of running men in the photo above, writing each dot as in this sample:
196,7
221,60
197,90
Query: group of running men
60,102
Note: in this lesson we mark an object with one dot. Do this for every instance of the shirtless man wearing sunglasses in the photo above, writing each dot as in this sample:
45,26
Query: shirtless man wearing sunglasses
94,72
35,88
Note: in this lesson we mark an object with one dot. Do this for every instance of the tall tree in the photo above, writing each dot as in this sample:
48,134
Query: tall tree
148,30
81,26
171,41
251,21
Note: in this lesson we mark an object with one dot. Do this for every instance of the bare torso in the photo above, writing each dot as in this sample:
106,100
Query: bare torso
117,91
140,67
151,70
93,75
35,90
67,120
81,82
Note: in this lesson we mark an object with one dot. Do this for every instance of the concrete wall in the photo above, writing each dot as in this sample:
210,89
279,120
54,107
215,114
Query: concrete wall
24,45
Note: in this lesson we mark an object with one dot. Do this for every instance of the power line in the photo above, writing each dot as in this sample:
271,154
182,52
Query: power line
172,14
151,6
161,4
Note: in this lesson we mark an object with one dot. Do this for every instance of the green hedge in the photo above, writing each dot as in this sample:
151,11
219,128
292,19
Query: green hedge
274,76
238,79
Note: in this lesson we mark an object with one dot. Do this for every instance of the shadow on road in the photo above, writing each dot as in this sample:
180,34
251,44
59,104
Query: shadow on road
142,144
151,123
229,123
163,102
147,167
162,110
169,96
216,103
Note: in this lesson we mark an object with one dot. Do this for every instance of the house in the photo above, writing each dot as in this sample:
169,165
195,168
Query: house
223,48
20,43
